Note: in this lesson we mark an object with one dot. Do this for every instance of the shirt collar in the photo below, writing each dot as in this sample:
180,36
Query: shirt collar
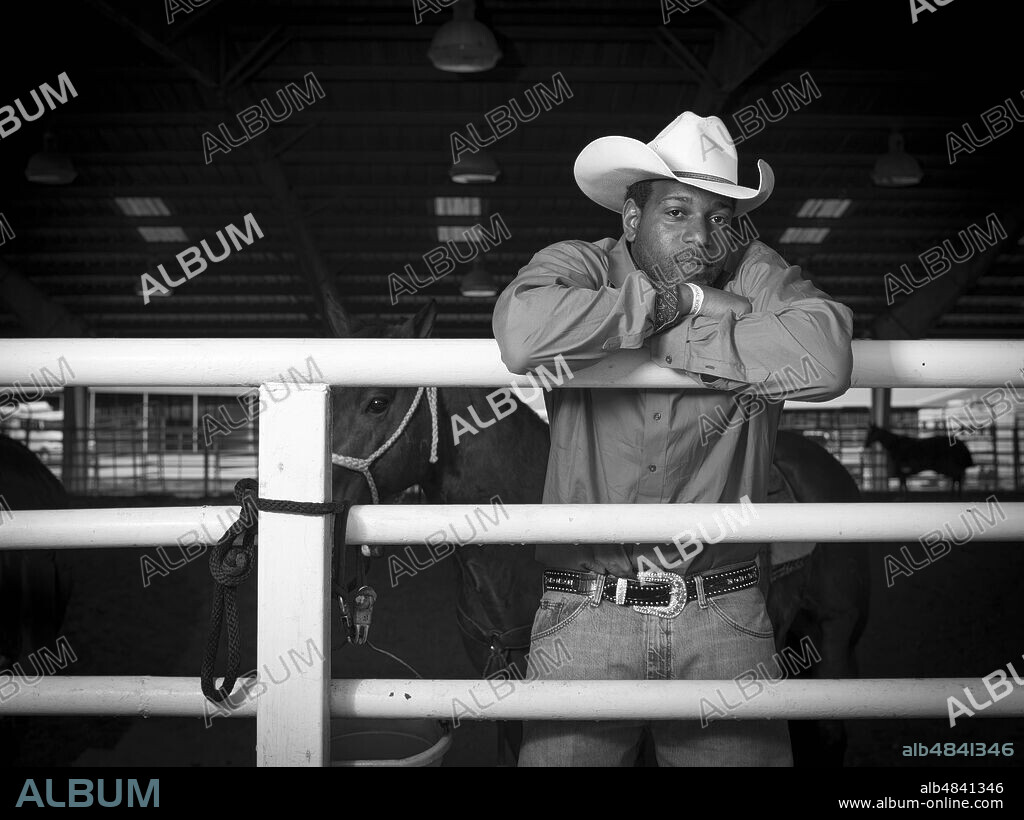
620,263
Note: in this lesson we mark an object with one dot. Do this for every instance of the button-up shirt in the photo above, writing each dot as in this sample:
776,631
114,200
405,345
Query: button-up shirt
582,301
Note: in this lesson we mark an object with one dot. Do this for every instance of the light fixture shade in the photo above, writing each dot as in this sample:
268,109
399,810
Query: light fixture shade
49,167
138,290
478,283
464,44
475,169
896,169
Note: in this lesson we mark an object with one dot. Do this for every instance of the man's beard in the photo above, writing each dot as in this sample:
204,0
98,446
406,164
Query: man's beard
687,265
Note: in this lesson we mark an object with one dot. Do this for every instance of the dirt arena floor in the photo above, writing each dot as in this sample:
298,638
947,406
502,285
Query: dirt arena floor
958,617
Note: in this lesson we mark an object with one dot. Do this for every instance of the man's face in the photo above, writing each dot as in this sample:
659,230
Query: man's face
679,232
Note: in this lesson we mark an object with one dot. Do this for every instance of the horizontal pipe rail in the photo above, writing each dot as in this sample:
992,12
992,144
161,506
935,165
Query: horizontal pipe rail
493,523
447,363
534,700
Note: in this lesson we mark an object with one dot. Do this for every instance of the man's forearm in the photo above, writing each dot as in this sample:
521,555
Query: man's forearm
796,343
534,324
790,353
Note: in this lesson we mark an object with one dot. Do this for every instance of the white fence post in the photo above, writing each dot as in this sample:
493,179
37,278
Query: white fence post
294,634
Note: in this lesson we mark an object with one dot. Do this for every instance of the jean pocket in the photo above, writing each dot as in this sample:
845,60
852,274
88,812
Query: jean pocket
556,613
744,611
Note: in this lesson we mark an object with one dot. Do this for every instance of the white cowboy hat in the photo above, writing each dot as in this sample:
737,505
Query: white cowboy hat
696,150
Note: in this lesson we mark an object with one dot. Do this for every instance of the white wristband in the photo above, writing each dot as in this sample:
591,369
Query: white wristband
698,298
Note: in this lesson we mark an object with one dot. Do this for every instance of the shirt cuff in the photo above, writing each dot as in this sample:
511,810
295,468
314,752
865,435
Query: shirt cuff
679,349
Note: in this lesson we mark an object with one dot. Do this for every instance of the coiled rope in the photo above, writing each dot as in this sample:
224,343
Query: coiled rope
231,565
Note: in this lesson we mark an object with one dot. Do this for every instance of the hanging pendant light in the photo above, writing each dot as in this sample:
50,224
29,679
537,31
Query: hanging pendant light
464,44
474,169
49,167
897,169
478,283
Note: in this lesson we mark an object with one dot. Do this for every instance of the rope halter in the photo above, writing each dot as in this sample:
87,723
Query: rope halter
362,465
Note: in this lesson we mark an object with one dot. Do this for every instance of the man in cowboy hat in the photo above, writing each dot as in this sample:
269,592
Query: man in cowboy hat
744,322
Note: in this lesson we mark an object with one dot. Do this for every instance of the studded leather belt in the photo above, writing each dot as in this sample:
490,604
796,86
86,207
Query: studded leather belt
654,593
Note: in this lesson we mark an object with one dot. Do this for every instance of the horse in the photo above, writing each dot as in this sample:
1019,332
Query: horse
821,594
34,590
910,456
499,585
499,588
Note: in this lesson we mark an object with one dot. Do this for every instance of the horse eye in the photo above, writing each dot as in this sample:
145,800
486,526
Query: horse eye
377,405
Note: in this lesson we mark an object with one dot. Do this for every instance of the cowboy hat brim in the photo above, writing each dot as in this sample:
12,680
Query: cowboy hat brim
606,168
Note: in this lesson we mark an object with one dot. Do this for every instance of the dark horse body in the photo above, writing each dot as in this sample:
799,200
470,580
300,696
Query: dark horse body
910,456
33,592
822,596
500,585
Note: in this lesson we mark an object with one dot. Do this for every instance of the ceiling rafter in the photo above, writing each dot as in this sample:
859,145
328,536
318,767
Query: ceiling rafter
733,60
912,317
362,168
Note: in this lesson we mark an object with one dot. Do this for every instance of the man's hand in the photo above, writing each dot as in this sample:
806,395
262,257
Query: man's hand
717,303
675,302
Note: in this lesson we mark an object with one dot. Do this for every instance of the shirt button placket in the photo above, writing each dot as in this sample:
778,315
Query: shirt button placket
651,485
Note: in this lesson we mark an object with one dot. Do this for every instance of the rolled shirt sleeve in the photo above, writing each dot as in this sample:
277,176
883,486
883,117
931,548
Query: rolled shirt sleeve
560,304
795,344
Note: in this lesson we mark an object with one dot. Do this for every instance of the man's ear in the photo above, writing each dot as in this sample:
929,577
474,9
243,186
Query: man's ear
630,219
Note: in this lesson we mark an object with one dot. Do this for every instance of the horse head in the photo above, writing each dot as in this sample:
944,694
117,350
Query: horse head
365,419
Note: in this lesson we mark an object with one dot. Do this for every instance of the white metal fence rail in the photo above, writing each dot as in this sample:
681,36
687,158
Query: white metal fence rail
524,524
293,718
548,700
451,363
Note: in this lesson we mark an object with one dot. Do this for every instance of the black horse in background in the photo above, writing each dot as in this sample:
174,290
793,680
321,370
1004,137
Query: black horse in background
910,456
33,590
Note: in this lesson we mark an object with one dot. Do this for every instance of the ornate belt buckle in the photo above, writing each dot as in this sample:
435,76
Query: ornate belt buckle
677,594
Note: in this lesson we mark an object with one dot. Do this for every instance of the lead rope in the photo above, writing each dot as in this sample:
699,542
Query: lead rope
231,565
362,465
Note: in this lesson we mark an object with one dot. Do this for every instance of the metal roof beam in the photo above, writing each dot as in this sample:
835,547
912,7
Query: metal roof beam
913,317
38,314
736,57
152,43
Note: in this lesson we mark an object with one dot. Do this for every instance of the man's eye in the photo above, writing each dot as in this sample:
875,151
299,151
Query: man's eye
720,220
674,212
377,405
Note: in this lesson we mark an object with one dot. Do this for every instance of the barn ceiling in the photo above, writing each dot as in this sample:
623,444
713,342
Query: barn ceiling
346,187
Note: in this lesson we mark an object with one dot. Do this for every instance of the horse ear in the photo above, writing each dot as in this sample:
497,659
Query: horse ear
338,320
422,324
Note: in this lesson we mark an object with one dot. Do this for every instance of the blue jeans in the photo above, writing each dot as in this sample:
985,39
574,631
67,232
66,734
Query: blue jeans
717,638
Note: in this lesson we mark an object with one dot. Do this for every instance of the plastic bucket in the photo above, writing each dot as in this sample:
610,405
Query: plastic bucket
366,742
